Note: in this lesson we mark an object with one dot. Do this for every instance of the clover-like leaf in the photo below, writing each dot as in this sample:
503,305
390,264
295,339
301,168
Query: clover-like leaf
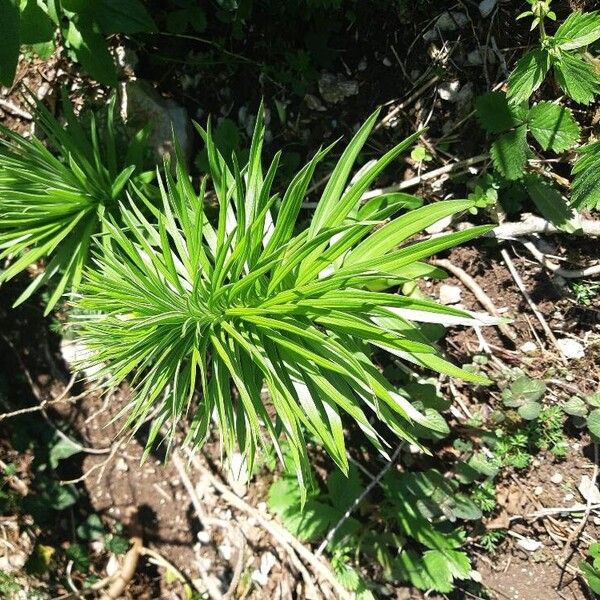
576,407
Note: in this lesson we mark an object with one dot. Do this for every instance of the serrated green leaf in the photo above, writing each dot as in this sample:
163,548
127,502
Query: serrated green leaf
10,40
527,76
495,114
344,490
593,399
116,544
464,508
553,126
483,465
576,407
577,77
586,181
509,153
551,204
593,423
579,29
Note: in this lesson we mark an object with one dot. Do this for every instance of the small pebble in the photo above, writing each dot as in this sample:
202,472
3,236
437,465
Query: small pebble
528,348
539,490
571,349
449,294
556,478
486,7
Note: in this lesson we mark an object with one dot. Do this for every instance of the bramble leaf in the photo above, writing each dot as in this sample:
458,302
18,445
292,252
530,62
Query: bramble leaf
553,126
585,191
527,76
509,153
579,29
576,407
577,78
551,204
495,114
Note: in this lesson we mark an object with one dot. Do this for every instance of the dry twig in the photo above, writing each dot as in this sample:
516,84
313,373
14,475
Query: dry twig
483,299
284,538
536,311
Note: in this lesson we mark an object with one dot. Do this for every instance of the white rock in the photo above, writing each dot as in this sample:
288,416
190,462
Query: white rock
528,348
589,490
261,575
571,349
75,355
449,294
225,551
486,7
204,536
112,566
448,21
121,465
336,88
556,478
538,491
142,104
529,544
448,90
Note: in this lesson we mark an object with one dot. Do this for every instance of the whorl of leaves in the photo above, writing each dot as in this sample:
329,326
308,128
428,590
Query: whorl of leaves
52,200
245,305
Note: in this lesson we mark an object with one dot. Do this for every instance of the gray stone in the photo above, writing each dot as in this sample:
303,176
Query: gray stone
336,88
142,104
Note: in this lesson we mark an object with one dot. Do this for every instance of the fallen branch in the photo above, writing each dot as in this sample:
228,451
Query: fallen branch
400,107
415,181
283,537
590,271
211,521
539,316
532,224
15,110
477,291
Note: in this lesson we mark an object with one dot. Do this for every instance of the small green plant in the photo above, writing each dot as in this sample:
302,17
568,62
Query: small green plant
82,28
184,305
591,570
561,52
524,394
585,291
512,449
484,496
585,412
491,540
414,531
53,204
546,432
